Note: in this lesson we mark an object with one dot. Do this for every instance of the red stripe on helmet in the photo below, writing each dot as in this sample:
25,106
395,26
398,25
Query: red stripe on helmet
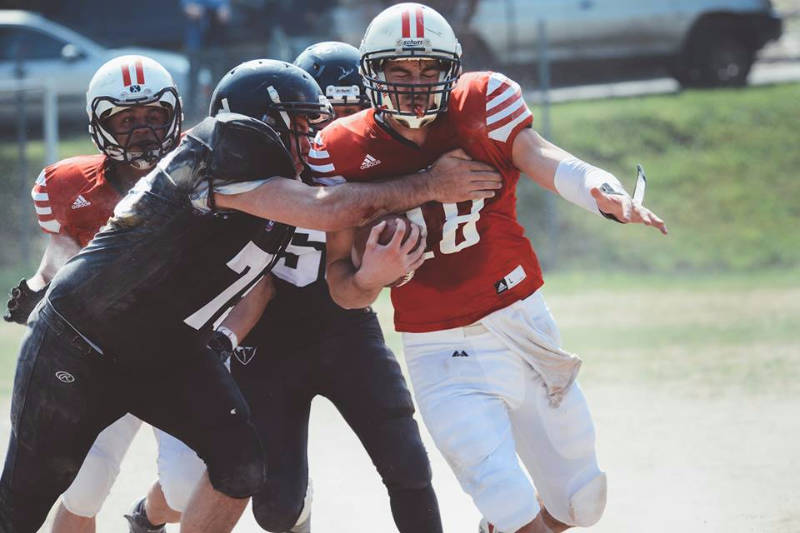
139,73
126,75
406,25
420,24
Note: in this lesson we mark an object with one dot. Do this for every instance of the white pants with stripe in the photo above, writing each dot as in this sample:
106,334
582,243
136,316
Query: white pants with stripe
484,404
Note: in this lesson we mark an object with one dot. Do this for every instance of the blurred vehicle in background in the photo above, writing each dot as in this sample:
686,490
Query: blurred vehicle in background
702,42
43,53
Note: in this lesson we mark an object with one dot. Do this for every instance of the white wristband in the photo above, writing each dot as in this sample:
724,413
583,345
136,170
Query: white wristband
230,334
574,180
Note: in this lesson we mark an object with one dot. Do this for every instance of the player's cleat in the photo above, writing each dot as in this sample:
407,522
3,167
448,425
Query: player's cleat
138,522
486,527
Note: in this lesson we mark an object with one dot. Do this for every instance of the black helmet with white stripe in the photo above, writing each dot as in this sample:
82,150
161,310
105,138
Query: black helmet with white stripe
274,92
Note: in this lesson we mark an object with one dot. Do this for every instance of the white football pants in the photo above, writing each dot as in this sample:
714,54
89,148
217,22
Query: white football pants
179,468
484,403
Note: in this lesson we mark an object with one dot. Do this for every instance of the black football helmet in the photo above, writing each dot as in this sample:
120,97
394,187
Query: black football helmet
335,67
275,92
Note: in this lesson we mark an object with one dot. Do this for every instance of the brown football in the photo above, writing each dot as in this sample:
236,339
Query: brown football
362,234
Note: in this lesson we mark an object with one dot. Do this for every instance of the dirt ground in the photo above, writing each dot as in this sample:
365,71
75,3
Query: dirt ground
674,464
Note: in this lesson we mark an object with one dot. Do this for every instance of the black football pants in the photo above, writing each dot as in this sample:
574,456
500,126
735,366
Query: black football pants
65,393
350,364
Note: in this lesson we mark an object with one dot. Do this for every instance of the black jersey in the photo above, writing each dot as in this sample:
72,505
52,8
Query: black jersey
163,269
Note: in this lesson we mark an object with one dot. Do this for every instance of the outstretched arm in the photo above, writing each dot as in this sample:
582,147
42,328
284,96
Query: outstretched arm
453,178
577,181
24,297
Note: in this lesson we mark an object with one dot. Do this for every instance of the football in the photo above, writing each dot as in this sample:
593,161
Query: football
362,234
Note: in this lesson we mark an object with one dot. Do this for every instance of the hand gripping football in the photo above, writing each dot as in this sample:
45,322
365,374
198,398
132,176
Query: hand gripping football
362,235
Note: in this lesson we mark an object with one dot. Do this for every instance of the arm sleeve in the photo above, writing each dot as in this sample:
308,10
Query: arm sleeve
46,212
506,112
199,196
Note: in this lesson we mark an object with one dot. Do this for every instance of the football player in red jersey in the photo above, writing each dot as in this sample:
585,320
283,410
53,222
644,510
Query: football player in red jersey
135,118
483,352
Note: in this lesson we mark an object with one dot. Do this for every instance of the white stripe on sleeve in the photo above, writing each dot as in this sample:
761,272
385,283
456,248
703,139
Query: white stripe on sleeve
53,226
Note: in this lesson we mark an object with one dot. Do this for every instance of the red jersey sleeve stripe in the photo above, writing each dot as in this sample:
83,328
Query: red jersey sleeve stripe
505,131
317,153
50,226
44,212
500,122
503,98
513,106
322,169
39,194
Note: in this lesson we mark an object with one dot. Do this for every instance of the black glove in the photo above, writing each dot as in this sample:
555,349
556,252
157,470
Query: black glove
21,301
221,345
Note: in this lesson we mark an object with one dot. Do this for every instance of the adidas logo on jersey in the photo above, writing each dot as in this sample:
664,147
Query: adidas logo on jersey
369,162
460,353
80,201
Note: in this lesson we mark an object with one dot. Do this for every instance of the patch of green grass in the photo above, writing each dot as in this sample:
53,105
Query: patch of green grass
723,173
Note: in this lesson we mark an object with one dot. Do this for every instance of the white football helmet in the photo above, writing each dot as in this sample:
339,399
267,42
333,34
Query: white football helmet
122,83
409,31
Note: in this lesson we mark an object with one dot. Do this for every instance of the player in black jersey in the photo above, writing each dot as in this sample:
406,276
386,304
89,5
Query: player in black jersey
338,353
132,312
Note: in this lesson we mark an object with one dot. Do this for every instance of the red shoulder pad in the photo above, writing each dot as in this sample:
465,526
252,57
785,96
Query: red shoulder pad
331,152
57,187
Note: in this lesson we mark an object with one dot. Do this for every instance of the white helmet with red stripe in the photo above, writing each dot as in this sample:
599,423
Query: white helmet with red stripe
410,31
125,82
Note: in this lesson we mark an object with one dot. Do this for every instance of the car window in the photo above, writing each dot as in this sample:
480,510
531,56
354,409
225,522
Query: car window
28,44
6,41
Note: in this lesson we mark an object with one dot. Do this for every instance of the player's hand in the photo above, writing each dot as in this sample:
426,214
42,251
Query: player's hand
625,210
383,264
221,345
21,301
456,177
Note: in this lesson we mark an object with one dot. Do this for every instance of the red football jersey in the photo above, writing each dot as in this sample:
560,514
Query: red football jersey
73,197
478,258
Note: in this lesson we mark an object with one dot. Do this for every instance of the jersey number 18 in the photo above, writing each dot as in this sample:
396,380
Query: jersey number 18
453,222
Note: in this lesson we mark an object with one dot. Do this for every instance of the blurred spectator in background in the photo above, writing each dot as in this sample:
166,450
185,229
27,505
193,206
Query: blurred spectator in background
206,22
301,23
204,37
